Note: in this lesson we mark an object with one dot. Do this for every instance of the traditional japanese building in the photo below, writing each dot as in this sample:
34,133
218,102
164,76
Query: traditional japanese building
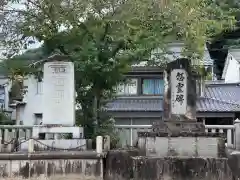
140,101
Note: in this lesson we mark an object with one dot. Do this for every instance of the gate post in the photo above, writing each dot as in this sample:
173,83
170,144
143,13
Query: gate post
237,134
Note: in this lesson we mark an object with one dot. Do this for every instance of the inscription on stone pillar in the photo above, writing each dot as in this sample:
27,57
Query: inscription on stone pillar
58,93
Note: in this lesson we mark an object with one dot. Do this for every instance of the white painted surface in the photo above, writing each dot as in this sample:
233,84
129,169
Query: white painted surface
59,93
33,102
231,72
178,91
99,144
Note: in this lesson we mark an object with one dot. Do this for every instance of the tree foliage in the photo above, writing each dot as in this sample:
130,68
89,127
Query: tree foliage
104,37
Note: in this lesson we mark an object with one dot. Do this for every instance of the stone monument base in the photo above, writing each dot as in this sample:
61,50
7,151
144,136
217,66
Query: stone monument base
175,127
77,132
186,144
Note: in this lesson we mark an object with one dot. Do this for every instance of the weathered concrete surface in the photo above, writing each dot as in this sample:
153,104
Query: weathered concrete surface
234,163
118,164
48,168
68,177
52,155
183,146
51,164
150,168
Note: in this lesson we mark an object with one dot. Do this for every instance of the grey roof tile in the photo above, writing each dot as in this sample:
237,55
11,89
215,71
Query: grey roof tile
219,97
224,92
135,105
204,104
213,105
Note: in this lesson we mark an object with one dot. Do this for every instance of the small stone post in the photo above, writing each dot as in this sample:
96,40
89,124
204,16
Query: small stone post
106,143
99,144
237,134
30,146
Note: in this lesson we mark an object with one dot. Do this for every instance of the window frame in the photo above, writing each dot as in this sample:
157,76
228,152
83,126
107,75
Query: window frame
125,84
149,78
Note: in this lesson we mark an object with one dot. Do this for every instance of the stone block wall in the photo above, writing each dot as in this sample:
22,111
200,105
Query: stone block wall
180,168
128,165
51,165
183,146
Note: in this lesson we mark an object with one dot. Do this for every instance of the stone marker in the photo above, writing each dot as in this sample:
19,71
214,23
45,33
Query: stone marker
58,99
179,100
58,92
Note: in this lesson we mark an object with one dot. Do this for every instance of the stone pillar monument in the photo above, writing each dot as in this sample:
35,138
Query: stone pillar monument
58,92
180,93
58,98
179,98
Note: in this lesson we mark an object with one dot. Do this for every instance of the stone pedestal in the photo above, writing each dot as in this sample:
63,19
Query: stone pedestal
183,144
176,127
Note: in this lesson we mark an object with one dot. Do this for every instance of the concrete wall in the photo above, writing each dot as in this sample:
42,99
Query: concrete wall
33,99
130,165
115,165
183,146
181,168
51,164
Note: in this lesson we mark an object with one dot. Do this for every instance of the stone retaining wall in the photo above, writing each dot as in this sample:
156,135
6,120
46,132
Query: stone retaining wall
181,168
115,165
128,165
51,164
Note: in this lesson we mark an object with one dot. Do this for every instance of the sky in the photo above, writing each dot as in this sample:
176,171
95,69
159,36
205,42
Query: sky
32,46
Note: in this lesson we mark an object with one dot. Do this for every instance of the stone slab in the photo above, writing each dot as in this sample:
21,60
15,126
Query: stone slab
176,127
59,93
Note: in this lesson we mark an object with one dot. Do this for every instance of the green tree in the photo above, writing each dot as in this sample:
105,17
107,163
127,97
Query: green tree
104,37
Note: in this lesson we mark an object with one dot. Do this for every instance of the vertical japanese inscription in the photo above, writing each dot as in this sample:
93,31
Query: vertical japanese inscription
178,91
180,96
59,91
57,71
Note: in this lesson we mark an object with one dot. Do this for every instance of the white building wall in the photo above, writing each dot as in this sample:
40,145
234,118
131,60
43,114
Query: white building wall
232,72
33,100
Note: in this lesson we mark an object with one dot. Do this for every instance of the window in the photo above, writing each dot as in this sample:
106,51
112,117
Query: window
38,119
152,86
128,88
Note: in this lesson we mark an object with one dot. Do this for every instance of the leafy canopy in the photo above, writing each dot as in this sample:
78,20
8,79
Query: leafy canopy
104,37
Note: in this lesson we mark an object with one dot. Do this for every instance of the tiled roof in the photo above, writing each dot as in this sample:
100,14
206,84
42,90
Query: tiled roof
204,104
135,105
224,92
214,105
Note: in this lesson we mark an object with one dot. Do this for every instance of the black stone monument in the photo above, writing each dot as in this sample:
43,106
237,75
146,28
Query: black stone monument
179,123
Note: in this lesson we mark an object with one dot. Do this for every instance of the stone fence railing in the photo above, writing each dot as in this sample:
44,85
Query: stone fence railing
128,133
